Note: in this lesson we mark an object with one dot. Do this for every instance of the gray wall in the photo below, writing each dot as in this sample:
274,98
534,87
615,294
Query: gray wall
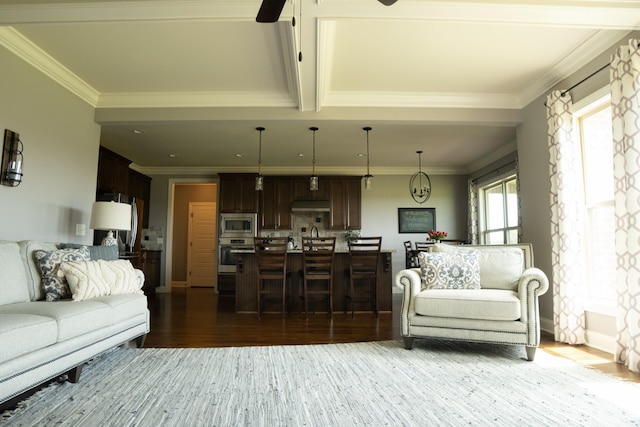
61,143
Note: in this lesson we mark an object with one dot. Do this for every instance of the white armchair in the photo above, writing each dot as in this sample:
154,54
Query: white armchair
504,310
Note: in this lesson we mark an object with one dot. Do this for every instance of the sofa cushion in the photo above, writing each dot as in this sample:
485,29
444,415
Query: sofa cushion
500,266
92,279
74,318
53,281
481,304
13,279
455,270
21,334
32,269
125,306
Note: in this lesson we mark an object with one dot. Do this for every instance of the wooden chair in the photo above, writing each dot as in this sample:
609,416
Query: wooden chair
271,259
364,257
410,255
422,247
317,270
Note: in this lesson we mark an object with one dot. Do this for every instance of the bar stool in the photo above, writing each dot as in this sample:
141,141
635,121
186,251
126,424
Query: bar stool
271,258
411,256
364,257
317,270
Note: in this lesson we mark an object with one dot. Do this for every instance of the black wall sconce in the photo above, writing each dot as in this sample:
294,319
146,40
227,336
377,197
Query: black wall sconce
11,159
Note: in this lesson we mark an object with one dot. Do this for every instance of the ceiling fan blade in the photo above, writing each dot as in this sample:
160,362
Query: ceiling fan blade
270,10
387,2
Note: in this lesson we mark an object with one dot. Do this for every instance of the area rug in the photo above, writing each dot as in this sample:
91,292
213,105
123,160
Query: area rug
361,384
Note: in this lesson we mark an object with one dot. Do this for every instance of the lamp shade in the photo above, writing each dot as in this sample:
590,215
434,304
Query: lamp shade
110,216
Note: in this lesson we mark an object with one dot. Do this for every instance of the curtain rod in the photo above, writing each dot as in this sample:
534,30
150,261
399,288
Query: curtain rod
564,92
506,165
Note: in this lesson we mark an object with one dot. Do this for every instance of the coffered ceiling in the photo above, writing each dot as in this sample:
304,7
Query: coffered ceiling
197,77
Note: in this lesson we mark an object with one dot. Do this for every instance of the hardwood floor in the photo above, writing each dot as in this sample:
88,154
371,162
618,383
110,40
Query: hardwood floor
198,317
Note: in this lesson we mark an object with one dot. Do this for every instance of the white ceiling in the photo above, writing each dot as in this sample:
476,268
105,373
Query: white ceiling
446,77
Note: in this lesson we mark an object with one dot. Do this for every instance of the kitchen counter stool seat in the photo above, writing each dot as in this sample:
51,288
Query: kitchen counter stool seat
272,275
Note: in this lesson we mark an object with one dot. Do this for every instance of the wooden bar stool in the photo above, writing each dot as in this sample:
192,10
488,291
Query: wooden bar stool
317,270
271,259
364,257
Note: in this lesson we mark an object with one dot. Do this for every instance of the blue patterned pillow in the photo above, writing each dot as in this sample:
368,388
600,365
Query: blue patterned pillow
53,281
456,270
106,253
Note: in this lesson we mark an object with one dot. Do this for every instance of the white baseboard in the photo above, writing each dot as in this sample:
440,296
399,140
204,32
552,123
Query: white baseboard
593,339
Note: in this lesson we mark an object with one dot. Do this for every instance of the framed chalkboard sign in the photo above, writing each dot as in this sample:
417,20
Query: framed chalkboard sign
416,220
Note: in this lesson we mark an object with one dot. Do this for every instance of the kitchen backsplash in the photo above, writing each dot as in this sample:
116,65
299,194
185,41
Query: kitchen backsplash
152,238
306,221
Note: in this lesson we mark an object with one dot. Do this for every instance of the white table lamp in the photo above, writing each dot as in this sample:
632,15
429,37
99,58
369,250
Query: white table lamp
110,216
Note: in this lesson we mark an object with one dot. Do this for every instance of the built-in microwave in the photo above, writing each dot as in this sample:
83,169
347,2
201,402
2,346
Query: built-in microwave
238,224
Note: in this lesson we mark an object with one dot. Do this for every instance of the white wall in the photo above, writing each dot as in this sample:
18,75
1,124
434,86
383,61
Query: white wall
61,143
390,192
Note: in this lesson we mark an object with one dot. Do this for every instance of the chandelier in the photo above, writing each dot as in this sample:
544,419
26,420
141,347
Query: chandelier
420,183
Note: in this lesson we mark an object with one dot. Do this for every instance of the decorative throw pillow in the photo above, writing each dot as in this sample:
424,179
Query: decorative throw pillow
53,281
92,279
457,270
107,253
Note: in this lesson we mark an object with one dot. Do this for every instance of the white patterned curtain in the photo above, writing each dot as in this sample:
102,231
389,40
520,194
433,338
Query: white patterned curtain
566,222
472,219
625,99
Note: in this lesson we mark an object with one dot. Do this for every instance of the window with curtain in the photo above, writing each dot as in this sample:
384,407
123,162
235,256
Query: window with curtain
499,211
594,124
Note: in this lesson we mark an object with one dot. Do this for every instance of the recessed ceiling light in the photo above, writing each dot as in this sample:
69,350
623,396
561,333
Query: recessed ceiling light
361,155
240,154
302,154
138,131
173,155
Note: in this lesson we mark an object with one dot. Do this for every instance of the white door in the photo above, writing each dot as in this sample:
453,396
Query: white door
201,249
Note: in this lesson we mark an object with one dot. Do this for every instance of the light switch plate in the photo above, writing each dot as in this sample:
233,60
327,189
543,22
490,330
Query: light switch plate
81,229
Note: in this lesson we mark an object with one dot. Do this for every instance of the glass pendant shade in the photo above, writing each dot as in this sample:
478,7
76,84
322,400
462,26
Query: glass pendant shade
313,179
368,178
259,179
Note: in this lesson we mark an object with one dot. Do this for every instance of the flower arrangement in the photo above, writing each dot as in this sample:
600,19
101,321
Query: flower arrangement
437,235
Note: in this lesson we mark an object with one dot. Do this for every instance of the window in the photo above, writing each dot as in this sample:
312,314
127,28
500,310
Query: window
499,212
593,126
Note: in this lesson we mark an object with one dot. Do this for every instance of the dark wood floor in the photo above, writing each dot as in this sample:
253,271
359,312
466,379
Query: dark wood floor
198,317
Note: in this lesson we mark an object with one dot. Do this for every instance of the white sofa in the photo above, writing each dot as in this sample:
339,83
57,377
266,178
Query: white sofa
504,310
41,340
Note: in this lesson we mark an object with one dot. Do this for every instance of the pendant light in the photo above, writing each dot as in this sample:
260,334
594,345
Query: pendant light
313,179
259,178
368,178
420,183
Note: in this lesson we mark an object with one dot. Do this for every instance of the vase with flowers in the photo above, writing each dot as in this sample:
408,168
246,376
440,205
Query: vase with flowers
437,235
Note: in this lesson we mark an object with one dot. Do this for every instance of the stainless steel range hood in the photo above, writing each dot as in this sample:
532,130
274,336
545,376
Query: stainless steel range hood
310,206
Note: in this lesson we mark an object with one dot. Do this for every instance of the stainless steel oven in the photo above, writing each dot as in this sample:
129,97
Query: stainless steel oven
226,256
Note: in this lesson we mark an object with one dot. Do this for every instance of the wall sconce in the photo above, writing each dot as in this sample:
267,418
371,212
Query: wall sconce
11,159
110,216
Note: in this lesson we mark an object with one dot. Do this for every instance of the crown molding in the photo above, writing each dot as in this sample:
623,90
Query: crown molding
421,100
43,62
195,99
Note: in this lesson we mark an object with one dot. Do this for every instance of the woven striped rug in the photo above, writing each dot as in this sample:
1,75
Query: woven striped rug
361,384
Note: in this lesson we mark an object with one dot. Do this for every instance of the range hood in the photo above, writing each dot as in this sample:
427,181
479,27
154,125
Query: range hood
310,206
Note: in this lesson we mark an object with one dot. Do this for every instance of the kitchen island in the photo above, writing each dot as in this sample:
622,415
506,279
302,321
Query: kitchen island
246,291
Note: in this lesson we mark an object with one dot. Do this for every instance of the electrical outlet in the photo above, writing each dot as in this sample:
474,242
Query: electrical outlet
81,229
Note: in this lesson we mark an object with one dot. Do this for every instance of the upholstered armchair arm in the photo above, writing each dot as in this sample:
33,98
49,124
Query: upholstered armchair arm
533,283
139,278
409,281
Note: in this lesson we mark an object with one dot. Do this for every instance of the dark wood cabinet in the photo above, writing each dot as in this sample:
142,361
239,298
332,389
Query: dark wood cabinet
150,261
275,209
113,172
345,203
140,188
237,193
301,189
